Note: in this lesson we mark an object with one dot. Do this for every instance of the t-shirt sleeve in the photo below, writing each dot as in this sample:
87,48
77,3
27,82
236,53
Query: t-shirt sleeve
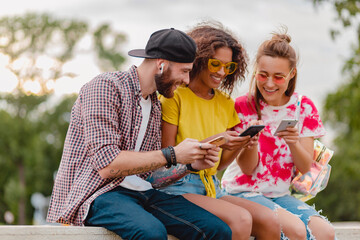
234,118
244,112
312,124
170,108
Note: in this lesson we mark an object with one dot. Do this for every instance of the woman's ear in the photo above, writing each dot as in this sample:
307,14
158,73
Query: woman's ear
293,73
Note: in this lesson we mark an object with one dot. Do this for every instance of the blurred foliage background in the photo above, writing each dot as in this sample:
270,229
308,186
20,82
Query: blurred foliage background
340,200
33,127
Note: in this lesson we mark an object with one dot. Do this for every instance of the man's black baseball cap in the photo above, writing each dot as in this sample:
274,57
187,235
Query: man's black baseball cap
169,44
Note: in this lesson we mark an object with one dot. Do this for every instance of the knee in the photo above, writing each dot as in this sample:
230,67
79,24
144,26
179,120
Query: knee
268,219
269,223
329,232
321,229
295,231
218,229
298,231
243,219
240,223
150,231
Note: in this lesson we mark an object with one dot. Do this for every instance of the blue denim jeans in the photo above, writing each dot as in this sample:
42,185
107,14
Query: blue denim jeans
192,183
289,203
152,215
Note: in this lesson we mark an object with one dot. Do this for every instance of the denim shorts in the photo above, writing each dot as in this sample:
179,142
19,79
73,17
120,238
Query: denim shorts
192,183
287,202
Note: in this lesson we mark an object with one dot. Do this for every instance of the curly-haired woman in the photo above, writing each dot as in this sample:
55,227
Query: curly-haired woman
204,110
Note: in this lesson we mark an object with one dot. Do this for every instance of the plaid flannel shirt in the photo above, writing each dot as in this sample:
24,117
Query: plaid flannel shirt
105,120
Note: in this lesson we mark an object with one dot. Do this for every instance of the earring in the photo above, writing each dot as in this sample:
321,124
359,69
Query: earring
162,68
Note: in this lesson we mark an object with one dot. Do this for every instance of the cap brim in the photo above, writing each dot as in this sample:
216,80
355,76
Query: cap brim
139,53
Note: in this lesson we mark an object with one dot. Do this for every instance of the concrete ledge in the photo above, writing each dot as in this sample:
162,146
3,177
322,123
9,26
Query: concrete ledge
344,231
347,230
53,232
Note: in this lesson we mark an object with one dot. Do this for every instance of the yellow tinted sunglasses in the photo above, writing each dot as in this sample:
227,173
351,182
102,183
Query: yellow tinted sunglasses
215,65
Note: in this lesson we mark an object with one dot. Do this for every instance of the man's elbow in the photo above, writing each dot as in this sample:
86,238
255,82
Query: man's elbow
104,173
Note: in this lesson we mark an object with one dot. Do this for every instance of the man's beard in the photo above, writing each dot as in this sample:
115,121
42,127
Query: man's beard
164,84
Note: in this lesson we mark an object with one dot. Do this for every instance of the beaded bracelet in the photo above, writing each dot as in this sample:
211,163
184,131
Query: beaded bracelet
173,156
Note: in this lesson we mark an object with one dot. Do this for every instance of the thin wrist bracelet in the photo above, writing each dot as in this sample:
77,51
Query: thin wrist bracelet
190,168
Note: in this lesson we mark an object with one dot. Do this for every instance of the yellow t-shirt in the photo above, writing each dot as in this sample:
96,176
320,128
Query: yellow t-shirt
199,118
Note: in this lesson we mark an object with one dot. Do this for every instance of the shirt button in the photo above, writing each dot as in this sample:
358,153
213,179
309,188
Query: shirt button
136,127
111,185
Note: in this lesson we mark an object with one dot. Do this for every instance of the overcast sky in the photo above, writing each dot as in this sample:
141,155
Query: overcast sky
320,62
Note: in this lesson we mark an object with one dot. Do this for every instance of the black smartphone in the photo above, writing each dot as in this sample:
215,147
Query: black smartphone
252,130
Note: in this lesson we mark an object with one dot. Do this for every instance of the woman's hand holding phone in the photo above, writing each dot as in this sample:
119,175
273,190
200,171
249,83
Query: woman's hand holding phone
284,124
209,159
290,135
234,141
254,129
288,131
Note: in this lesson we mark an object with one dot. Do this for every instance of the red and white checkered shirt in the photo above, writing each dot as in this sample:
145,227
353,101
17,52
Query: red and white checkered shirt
105,120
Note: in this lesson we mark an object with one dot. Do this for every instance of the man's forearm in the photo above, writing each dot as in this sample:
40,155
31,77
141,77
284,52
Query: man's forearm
130,163
166,176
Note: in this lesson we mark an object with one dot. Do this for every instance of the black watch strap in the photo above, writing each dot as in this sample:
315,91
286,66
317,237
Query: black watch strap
190,168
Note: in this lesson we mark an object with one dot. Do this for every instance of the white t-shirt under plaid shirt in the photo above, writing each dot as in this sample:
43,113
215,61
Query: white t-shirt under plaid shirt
274,172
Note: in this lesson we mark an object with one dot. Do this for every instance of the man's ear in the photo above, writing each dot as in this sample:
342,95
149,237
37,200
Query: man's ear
160,63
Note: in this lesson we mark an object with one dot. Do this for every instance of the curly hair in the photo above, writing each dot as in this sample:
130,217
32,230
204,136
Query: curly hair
209,37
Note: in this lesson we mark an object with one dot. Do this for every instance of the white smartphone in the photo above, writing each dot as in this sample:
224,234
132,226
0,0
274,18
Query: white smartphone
218,141
284,124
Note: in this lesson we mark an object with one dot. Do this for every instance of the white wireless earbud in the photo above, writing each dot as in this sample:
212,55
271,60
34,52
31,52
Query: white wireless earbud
162,68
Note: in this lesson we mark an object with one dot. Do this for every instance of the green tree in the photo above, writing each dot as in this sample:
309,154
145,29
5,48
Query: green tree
340,200
32,126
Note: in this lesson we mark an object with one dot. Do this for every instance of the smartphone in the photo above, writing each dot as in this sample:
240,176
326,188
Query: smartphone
218,141
252,130
284,124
